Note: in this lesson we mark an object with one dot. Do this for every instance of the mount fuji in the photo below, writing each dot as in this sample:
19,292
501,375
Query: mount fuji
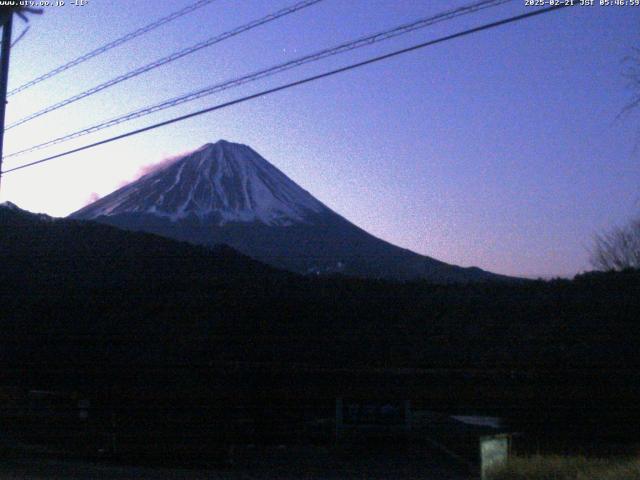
226,193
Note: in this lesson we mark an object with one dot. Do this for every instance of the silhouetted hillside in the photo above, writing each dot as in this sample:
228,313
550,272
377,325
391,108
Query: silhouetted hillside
73,292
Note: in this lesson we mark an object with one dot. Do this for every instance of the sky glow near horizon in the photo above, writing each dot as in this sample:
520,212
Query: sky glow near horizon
501,149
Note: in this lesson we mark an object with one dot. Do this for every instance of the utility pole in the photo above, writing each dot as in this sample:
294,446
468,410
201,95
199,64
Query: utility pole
4,77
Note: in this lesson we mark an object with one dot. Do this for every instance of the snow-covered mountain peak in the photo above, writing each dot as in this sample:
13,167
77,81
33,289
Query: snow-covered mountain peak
221,182
225,193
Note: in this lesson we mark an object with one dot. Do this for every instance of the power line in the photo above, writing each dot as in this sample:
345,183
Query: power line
328,52
293,84
111,45
168,59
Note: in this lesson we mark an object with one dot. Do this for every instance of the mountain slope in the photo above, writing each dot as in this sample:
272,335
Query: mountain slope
75,292
227,193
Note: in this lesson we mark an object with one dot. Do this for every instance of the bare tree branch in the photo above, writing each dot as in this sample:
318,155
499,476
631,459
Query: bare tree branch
631,71
618,249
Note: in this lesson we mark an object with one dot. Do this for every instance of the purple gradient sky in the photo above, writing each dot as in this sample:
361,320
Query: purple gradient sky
500,150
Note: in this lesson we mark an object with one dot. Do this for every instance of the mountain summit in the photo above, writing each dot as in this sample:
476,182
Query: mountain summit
219,183
227,193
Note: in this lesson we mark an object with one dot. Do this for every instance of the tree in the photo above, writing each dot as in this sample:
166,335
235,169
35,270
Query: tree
618,249
632,73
